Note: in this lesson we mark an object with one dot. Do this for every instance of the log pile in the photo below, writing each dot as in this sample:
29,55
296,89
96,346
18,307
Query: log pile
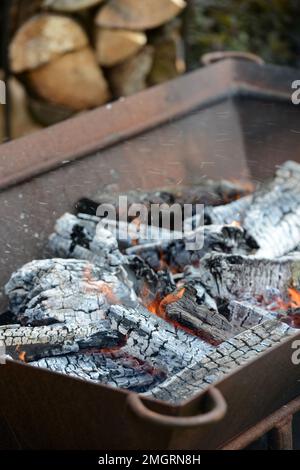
73,55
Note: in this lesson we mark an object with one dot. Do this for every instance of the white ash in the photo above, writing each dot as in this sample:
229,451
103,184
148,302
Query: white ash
59,290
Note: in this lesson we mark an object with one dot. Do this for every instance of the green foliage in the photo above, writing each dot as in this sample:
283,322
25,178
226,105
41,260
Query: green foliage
269,28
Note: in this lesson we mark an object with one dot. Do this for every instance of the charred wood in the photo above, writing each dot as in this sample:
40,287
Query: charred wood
226,358
200,318
153,339
58,290
177,254
113,369
242,277
31,343
273,219
83,237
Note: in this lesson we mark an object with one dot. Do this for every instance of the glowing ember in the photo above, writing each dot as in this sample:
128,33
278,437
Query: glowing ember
158,306
292,304
102,287
169,299
22,356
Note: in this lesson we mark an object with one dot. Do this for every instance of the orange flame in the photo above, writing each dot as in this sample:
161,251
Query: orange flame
22,356
293,302
158,307
295,297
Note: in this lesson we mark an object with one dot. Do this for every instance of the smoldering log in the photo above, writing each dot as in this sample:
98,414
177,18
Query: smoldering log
206,322
273,219
113,369
190,249
226,358
153,339
147,283
83,237
229,213
31,343
246,315
58,290
242,277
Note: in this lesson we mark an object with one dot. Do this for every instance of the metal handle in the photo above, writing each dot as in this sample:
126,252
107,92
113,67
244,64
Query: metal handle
212,57
217,412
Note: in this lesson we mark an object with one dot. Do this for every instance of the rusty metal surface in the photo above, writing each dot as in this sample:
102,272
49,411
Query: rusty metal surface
279,423
112,124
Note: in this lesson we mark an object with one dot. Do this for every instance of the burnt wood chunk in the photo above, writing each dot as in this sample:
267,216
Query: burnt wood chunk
229,213
31,343
226,358
153,339
245,315
273,219
113,369
242,277
177,254
82,237
200,318
58,290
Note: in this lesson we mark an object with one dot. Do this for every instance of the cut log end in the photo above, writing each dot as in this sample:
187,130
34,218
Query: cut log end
73,80
43,38
115,46
136,14
71,5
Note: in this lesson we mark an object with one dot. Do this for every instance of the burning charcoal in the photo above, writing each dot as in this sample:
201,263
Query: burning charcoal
228,213
177,254
226,358
153,339
273,219
82,237
31,343
58,290
147,283
114,369
242,277
206,322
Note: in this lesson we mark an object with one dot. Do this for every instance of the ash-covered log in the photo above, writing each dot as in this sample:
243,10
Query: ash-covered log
153,339
148,283
197,316
82,237
58,290
242,277
177,254
114,369
273,219
245,315
226,358
233,212
270,216
30,343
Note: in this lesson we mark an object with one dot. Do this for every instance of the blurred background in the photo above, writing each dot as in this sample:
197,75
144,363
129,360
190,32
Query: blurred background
63,57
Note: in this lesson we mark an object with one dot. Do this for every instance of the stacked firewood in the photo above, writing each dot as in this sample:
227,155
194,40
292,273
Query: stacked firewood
73,55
